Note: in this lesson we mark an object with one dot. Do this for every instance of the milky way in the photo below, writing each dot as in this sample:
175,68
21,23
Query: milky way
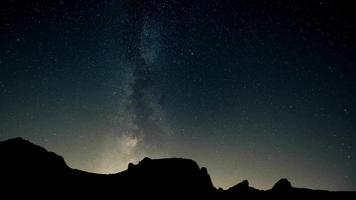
140,128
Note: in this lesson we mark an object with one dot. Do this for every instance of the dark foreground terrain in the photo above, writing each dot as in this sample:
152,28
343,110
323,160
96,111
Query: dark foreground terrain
27,169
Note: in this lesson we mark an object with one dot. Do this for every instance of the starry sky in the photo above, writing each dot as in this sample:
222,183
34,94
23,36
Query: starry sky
255,90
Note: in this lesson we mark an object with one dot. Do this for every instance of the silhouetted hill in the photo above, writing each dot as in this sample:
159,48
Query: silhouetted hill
242,187
30,169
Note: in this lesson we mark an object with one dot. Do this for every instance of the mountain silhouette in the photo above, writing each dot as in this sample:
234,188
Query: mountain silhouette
30,169
242,187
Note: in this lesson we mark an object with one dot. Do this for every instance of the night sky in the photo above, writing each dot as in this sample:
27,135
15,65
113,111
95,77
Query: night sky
255,90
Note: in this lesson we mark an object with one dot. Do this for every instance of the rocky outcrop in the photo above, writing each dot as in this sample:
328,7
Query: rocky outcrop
242,187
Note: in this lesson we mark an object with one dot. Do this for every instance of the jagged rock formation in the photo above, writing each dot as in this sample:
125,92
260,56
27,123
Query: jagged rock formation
242,187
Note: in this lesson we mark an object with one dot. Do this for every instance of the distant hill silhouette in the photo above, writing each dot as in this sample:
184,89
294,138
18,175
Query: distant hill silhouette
26,168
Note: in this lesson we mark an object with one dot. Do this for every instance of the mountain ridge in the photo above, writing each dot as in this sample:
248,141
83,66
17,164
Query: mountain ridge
28,166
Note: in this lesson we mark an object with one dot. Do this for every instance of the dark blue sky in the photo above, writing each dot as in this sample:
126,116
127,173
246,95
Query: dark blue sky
254,90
